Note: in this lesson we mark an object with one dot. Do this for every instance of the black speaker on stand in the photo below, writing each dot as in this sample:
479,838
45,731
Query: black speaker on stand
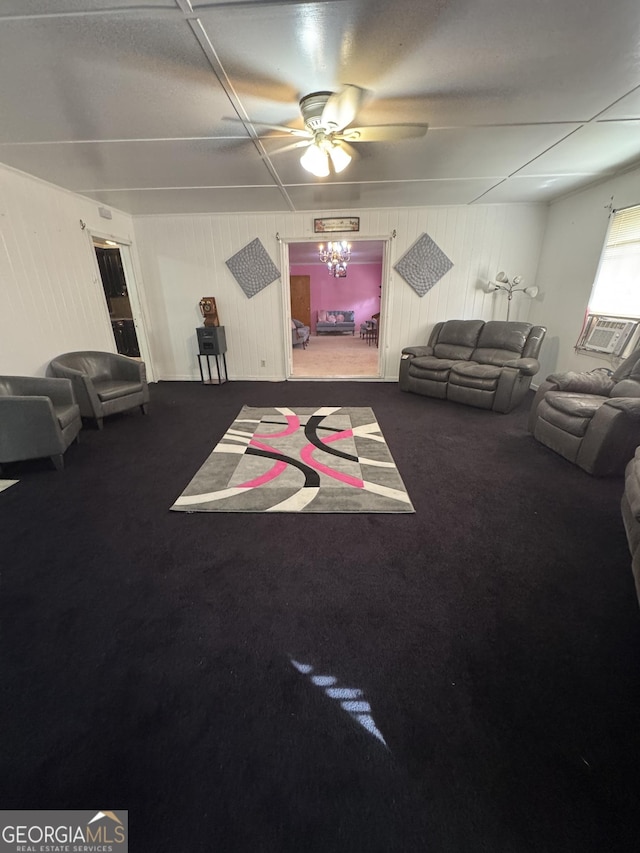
212,341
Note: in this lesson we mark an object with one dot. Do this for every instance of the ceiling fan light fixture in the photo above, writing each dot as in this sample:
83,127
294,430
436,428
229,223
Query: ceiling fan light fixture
315,160
339,158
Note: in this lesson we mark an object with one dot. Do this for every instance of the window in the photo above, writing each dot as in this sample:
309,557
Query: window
613,319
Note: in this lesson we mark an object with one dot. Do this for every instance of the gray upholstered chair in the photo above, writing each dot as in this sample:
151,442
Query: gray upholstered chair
39,417
592,419
299,333
104,383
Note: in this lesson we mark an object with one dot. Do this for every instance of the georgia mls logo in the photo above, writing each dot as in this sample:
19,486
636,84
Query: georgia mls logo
64,832
111,815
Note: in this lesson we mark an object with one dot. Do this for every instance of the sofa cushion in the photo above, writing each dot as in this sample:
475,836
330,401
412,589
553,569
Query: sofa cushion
457,339
499,340
338,315
430,367
571,412
112,389
484,377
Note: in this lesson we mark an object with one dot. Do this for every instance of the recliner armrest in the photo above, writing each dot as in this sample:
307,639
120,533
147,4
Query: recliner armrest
526,366
629,405
417,351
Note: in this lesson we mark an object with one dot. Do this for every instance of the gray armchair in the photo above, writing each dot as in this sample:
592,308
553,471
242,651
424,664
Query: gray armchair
104,383
592,419
38,417
299,333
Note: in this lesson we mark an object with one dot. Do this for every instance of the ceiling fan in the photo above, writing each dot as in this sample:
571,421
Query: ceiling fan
327,136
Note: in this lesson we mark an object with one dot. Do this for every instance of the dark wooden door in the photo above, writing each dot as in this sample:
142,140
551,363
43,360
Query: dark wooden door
112,272
301,298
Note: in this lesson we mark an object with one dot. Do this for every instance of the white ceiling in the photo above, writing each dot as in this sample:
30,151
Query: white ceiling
129,102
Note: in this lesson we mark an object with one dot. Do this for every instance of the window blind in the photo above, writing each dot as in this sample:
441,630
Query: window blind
616,289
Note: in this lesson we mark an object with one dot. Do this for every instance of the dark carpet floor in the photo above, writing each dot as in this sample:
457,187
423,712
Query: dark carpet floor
495,636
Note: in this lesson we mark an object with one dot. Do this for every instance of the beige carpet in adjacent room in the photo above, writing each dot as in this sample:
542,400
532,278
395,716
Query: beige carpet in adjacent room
336,357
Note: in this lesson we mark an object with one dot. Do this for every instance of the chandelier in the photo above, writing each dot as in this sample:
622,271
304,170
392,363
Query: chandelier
335,256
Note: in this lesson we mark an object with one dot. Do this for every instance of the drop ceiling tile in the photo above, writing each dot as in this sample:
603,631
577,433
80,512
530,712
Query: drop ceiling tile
452,64
533,190
113,165
626,108
596,149
41,7
111,77
215,200
391,194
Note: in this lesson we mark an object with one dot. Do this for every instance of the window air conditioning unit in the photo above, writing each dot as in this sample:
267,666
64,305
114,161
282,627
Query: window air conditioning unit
608,335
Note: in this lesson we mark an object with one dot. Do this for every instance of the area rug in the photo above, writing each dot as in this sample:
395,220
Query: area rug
329,459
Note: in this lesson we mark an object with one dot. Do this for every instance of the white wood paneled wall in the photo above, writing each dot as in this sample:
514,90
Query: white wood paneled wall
51,298
183,258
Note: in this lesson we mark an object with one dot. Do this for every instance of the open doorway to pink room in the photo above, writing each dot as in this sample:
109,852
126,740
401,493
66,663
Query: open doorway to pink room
334,353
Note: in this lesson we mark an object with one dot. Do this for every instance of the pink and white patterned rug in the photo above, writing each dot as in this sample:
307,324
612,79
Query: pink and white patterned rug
328,459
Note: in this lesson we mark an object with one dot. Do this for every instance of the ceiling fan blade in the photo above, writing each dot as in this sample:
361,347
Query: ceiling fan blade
303,143
351,151
383,132
342,107
294,131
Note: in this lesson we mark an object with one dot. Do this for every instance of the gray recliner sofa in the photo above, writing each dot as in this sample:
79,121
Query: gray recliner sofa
484,364
104,383
39,417
591,419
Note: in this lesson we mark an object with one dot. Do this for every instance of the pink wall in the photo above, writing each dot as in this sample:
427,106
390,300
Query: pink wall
359,291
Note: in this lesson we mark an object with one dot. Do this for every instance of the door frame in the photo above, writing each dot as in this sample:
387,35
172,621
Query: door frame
133,292
384,295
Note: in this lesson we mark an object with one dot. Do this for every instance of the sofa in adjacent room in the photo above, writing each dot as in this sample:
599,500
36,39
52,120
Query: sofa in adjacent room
335,321
484,364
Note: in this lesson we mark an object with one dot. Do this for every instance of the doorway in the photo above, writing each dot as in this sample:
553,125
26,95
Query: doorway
339,355
114,285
